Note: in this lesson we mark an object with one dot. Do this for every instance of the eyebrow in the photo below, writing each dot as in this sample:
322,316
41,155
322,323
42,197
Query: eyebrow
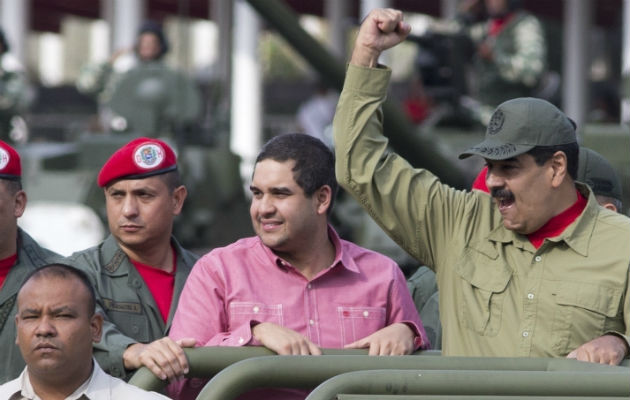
57,310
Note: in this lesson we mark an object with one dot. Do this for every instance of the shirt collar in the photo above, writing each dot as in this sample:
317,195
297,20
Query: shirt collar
341,258
577,235
81,393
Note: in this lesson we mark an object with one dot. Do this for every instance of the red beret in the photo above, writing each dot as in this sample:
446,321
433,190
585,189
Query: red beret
141,158
10,166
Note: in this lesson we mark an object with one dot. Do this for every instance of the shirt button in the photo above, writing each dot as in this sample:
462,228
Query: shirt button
530,296
256,309
310,321
538,258
309,286
365,314
240,340
525,334
135,329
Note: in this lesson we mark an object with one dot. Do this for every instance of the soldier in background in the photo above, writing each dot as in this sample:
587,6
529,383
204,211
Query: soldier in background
15,95
596,171
19,255
141,94
510,54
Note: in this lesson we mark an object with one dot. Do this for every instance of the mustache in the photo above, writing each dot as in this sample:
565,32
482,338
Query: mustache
501,193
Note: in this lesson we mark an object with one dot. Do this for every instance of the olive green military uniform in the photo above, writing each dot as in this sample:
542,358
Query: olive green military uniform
424,291
30,257
519,54
14,94
499,296
131,313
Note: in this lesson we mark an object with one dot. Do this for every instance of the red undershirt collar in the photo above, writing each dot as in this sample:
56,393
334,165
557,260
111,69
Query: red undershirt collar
5,266
556,225
496,25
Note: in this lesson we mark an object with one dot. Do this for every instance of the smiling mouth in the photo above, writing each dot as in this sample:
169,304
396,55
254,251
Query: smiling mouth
269,225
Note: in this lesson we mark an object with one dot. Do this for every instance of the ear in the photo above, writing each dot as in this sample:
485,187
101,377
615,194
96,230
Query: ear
558,164
17,322
323,198
179,195
610,206
19,204
96,325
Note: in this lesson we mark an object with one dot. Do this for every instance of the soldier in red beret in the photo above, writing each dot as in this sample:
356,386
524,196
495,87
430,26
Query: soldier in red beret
19,255
139,271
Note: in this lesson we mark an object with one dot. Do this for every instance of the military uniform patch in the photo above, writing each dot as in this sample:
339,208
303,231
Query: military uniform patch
4,158
496,122
148,156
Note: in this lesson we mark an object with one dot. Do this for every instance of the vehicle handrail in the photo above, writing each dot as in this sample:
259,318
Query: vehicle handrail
306,372
481,383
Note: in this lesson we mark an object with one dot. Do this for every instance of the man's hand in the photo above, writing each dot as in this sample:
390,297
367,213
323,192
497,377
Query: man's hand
382,29
394,340
607,349
284,341
164,357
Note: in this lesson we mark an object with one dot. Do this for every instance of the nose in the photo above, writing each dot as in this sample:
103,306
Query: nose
45,327
130,207
493,180
265,206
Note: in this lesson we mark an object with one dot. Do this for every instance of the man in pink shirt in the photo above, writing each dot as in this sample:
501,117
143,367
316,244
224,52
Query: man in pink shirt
296,287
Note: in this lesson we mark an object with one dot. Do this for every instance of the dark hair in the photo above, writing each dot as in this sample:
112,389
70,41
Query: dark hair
156,29
13,185
172,179
64,271
314,162
542,154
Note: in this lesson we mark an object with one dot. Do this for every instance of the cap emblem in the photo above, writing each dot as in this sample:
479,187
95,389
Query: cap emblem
148,156
4,158
496,122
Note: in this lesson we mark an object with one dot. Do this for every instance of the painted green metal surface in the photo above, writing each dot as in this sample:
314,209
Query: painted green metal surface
306,372
482,383
205,362
463,397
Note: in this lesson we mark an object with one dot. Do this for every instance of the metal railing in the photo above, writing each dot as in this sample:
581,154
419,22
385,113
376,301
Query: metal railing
237,370
571,384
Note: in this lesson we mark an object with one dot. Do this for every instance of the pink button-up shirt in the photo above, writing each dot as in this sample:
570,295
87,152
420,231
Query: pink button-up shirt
233,287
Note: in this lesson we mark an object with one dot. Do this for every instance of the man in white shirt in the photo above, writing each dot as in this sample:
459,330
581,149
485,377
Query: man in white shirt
56,326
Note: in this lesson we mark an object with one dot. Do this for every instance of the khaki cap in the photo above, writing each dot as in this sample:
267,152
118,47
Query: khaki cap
519,125
596,171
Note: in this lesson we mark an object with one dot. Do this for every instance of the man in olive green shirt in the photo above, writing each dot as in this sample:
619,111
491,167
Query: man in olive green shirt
536,267
19,255
139,271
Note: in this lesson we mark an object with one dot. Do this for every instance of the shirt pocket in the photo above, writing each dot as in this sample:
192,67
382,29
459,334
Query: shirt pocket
244,312
129,319
358,322
135,326
584,311
483,278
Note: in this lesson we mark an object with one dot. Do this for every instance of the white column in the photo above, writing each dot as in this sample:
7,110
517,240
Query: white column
246,104
625,63
14,17
336,13
366,7
577,26
127,16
